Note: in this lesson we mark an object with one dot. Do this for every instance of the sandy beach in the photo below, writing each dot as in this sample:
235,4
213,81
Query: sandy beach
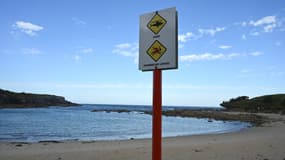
257,143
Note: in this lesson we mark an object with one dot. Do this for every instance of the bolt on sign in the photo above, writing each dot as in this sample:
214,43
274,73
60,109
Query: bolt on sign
158,40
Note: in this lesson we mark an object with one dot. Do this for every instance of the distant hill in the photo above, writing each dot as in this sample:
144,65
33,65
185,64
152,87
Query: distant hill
10,99
268,103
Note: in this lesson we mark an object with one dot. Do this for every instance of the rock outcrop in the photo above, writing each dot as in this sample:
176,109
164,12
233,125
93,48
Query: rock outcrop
10,99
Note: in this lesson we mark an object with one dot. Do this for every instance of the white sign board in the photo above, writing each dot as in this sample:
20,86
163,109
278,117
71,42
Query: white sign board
158,40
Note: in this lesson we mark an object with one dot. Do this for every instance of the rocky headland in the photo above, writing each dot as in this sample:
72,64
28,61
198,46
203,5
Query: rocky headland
263,104
10,99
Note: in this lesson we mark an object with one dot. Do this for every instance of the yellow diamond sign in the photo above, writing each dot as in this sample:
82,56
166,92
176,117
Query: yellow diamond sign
156,23
156,50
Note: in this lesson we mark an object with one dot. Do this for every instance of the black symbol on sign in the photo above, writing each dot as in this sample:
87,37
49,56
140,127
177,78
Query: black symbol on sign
156,23
156,50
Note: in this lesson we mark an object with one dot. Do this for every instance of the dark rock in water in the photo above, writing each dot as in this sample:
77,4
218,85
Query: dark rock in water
210,120
254,119
197,150
19,145
10,99
49,142
211,115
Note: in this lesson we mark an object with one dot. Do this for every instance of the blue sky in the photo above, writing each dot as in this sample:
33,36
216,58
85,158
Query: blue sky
87,51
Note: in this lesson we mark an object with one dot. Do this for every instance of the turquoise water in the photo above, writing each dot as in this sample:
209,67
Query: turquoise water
79,123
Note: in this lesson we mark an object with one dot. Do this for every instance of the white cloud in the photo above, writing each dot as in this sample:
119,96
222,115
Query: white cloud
185,37
254,33
27,27
123,46
269,28
275,71
243,37
81,53
207,57
78,21
225,47
229,56
127,50
257,53
245,71
180,45
243,24
199,57
31,51
277,74
263,21
215,56
268,23
87,50
211,31
77,58
278,43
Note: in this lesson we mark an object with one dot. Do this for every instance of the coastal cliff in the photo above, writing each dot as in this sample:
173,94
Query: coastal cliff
10,99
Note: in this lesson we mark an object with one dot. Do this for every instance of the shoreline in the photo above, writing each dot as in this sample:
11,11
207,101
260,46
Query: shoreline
112,140
266,142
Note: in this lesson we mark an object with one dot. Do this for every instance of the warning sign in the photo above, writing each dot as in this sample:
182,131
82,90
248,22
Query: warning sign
156,23
158,40
156,50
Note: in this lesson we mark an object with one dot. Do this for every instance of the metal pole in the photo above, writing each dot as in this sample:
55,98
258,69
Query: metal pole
156,115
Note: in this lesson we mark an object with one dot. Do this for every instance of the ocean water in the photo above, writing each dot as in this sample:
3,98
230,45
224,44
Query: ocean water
79,123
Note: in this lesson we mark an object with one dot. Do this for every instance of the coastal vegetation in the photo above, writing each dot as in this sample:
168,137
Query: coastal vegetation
10,99
262,104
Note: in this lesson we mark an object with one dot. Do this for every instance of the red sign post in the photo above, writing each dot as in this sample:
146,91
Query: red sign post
156,115
158,51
